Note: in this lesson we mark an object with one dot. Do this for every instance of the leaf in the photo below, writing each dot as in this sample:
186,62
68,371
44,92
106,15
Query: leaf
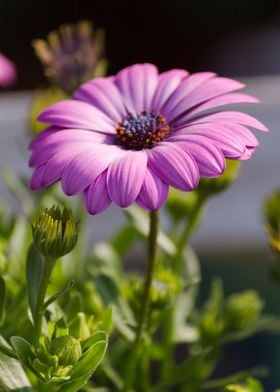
83,370
74,307
140,221
23,349
186,300
106,321
34,271
123,239
2,299
59,294
12,375
90,359
60,328
94,338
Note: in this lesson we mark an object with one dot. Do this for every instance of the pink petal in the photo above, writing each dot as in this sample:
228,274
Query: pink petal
53,168
153,193
231,146
125,177
174,166
103,93
8,73
167,84
209,158
235,117
96,196
77,114
227,99
87,166
184,90
137,85
207,89
36,178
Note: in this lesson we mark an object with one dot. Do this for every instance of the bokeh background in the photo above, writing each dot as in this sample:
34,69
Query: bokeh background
238,38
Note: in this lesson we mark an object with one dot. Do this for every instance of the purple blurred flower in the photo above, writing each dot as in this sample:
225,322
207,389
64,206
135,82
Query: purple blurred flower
72,54
7,72
127,138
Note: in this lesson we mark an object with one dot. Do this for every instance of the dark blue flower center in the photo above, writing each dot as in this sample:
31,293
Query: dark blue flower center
142,130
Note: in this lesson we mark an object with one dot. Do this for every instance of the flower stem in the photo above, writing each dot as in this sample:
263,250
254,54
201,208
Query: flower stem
178,265
39,313
136,347
152,245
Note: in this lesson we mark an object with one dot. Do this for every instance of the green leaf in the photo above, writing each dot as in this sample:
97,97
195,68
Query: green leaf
123,239
106,321
34,271
74,307
23,349
12,375
83,370
90,359
60,328
185,301
94,338
2,299
59,294
140,221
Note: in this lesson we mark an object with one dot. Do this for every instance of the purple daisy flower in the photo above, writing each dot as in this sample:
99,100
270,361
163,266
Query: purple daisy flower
7,72
128,137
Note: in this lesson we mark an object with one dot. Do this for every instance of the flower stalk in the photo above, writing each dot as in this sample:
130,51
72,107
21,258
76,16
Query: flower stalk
39,310
152,245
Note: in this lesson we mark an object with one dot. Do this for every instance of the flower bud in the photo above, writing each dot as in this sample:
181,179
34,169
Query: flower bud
272,218
67,349
164,286
55,232
211,186
79,327
179,204
243,310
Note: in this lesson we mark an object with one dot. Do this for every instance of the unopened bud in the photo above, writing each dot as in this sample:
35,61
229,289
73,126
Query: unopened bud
243,310
67,349
55,232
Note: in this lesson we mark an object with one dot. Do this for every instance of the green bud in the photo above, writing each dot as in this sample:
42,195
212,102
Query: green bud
164,286
211,186
243,310
41,100
67,349
180,205
55,232
272,218
79,327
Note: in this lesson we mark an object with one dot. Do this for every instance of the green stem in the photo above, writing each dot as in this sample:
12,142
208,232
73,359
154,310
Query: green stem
152,245
189,228
39,313
136,346
177,267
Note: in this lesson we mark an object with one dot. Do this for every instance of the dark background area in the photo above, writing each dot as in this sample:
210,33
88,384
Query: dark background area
233,37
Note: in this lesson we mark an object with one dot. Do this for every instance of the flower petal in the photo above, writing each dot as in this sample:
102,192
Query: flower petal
96,196
186,87
231,146
54,142
36,178
209,158
231,117
174,166
153,193
87,166
125,177
77,114
227,99
104,94
137,85
208,87
167,84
